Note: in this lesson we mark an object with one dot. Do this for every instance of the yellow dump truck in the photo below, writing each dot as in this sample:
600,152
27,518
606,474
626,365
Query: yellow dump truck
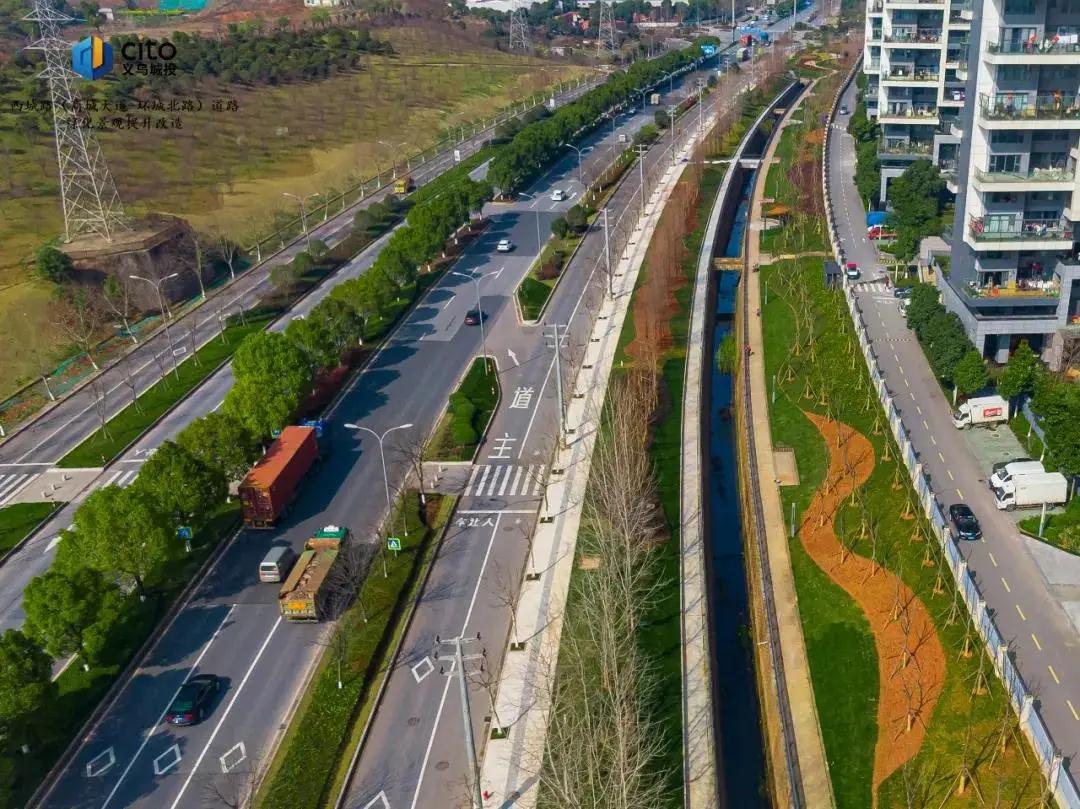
403,185
303,596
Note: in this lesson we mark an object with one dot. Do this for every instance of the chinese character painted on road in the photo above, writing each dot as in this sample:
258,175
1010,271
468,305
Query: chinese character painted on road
522,399
503,447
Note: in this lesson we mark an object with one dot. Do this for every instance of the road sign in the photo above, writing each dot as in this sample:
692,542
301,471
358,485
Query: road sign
393,544
184,532
708,50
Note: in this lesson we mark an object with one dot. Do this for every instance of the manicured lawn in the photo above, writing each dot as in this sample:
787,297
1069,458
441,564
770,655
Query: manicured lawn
1061,530
127,425
840,650
532,296
18,520
79,691
471,407
310,765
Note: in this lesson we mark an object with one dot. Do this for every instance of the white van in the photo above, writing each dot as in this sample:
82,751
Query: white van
277,563
1005,474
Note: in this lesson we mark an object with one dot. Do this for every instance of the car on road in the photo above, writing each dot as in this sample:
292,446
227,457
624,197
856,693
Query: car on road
851,270
843,109
902,292
964,521
558,195
473,317
192,702
504,246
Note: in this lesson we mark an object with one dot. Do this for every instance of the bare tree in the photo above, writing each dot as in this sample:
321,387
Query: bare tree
101,407
192,328
413,449
339,644
227,250
196,265
345,578
80,318
507,593
131,383
117,298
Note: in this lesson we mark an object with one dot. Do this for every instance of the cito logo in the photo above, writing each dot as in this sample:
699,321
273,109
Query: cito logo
92,57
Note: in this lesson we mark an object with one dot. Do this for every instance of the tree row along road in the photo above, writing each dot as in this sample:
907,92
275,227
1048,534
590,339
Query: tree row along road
231,621
1030,606
55,432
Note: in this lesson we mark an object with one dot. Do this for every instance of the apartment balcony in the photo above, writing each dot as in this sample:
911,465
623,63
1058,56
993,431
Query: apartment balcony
1026,110
958,22
905,78
949,172
1007,232
1060,49
914,37
916,5
872,66
913,149
910,115
875,7
953,97
1033,180
1025,290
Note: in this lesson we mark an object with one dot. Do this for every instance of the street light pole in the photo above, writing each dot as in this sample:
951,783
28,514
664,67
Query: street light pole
557,344
382,456
536,201
164,311
476,797
671,122
483,336
303,213
579,153
642,149
607,257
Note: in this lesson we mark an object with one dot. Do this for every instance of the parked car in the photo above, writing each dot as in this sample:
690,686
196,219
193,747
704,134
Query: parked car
473,317
851,270
504,246
193,700
964,521
558,195
876,232
902,292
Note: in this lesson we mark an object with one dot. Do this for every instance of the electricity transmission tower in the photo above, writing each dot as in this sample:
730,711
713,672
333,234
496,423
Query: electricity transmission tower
605,41
519,28
87,192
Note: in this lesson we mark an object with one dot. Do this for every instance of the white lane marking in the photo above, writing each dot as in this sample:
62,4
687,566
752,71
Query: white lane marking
53,543
422,670
10,485
225,715
517,479
513,358
449,300
174,759
93,770
495,479
157,724
505,480
483,480
378,801
228,762
446,688
472,478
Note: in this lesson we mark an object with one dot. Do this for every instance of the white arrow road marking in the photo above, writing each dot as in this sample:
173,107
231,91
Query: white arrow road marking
93,769
53,543
513,357
228,761
174,752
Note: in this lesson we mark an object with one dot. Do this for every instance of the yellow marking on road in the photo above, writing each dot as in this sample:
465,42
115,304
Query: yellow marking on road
1076,716
905,379
959,493
942,457
918,409
1053,674
951,476
934,442
1022,616
1037,644
1007,588
993,561
896,358
926,427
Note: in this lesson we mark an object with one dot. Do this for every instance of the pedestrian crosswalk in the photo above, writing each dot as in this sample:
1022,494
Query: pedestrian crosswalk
122,478
877,287
506,480
10,485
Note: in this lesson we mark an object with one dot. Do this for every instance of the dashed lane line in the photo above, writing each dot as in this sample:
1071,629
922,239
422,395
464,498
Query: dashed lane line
1036,640
1022,616
1076,716
1053,674
1006,584
993,561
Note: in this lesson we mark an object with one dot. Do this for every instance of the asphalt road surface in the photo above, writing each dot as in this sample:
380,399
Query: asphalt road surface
1045,643
230,627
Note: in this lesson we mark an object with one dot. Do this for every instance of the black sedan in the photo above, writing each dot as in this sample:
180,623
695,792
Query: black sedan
193,700
473,317
964,521
902,292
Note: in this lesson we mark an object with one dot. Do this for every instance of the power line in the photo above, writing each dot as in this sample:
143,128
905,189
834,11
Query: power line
88,195
519,28
605,40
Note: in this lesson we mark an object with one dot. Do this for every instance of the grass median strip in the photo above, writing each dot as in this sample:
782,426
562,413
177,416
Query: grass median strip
127,425
462,427
311,763
18,520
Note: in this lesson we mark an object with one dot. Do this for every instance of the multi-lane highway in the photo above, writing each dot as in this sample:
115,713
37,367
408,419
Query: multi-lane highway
230,626
1032,589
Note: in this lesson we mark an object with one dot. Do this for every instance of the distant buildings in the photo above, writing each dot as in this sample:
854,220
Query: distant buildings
990,91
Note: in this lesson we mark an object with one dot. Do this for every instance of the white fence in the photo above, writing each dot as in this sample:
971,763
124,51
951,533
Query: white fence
1061,784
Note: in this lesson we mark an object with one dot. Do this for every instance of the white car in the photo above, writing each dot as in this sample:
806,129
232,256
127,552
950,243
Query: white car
558,195
504,246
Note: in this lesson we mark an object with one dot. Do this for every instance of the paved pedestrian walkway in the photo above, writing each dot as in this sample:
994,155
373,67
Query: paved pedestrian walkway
813,766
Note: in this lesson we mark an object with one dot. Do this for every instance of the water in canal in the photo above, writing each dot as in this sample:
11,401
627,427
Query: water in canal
742,747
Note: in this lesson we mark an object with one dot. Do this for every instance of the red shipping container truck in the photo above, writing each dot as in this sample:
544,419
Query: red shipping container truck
746,40
270,485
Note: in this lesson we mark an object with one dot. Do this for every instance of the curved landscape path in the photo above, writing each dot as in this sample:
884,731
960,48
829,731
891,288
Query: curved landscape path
911,662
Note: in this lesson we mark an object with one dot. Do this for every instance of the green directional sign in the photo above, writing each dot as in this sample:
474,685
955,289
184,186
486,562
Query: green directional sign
393,544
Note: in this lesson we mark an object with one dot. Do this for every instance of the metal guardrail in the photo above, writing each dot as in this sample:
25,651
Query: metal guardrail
1060,781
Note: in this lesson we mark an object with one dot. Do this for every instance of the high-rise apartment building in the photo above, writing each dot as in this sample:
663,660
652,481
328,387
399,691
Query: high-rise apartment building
990,90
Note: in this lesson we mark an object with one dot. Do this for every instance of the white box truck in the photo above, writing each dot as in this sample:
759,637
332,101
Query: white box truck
980,411
1003,477
1032,490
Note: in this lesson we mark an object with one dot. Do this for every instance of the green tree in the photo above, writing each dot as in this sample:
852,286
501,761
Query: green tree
221,442
945,343
272,358
71,613
916,197
868,172
1057,403
922,306
661,119
970,374
559,227
259,409
182,485
317,250
1020,374
576,220
51,264
342,324
120,533
312,337
25,684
